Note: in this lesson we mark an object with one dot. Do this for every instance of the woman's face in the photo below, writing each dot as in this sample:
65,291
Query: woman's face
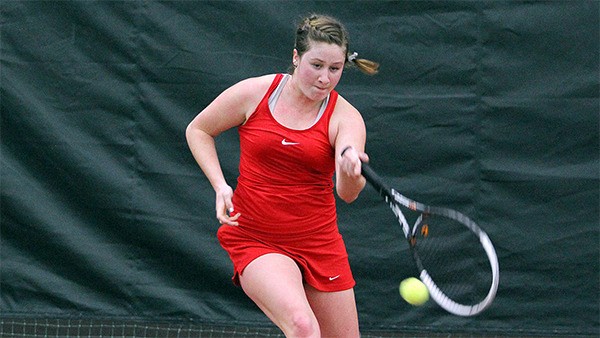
319,70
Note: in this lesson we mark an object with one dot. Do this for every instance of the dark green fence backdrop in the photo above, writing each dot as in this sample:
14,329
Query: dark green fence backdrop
485,106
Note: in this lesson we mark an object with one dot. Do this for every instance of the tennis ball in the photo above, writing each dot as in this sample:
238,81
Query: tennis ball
414,291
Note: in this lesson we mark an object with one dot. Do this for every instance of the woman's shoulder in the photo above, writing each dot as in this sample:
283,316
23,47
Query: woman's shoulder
256,85
346,114
247,93
249,90
344,108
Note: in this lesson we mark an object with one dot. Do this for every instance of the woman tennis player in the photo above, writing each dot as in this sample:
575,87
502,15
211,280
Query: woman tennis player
279,227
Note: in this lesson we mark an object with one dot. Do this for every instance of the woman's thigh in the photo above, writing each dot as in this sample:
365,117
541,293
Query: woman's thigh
335,311
274,282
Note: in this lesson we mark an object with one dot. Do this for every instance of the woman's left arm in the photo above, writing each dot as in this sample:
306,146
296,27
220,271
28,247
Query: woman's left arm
349,133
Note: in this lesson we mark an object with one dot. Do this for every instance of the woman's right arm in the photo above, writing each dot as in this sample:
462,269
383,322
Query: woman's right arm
230,109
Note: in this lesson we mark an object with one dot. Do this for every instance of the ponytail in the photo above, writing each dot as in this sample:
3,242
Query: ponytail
366,66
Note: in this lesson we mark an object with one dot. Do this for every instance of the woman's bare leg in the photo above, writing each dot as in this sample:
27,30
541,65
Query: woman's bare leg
335,311
274,282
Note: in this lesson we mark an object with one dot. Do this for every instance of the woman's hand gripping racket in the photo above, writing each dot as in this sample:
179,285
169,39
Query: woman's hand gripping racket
455,258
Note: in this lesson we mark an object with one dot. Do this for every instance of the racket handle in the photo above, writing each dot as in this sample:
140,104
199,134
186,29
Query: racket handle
368,173
374,179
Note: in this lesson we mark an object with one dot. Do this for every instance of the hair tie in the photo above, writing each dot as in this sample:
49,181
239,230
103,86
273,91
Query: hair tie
352,57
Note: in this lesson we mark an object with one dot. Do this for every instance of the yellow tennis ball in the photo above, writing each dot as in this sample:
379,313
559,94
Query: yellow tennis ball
414,291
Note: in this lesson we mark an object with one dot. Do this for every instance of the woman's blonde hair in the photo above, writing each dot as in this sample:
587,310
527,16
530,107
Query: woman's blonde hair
322,28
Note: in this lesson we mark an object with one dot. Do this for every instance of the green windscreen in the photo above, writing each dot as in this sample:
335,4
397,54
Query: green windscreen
487,107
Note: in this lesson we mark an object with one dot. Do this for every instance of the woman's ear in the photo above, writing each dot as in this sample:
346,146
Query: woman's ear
295,58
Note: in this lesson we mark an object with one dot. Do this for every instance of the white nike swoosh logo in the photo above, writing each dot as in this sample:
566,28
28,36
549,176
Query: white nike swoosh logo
334,277
287,143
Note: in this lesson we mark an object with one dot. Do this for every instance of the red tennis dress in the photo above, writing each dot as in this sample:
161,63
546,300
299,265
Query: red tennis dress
285,196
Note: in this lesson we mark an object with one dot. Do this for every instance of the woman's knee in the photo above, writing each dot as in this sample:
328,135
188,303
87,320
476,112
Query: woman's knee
303,324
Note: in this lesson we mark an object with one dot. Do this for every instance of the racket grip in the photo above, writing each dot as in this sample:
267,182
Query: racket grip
376,181
371,176
367,172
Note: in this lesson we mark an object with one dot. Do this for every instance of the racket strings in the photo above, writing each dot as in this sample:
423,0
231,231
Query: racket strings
453,257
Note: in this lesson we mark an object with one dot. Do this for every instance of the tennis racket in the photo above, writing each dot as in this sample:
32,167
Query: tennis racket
455,258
